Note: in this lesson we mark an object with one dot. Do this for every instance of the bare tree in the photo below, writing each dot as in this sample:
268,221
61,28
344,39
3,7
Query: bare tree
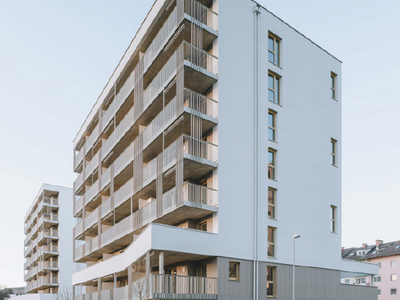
140,286
64,293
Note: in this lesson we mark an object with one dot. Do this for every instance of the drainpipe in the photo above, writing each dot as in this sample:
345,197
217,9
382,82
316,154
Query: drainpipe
257,11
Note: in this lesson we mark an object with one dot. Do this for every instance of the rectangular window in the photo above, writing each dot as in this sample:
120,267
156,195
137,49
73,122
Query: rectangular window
271,203
377,279
333,152
393,263
273,88
393,291
347,281
379,292
333,85
271,241
393,277
273,49
271,278
271,125
234,271
271,163
333,218
202,226
379,264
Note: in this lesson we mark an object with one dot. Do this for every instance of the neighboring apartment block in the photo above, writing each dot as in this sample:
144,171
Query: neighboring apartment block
49,242
216,139
387,256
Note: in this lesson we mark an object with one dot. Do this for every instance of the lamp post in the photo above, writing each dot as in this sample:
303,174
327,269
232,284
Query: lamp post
296,236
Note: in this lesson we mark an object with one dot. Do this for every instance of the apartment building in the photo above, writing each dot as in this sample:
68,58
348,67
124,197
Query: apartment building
386,256
215,140
48,246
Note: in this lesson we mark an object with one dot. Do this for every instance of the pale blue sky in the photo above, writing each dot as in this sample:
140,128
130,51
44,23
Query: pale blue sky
56,57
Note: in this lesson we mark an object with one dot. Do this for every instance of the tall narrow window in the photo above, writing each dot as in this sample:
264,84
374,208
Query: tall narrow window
333,85
273,88
333,152
393,263
393,277
393,291
271,277
333,218
271,164
273,49
271,125
234,271
271,241
271,203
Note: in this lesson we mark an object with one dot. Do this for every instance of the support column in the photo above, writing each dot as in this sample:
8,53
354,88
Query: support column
130,289
99,288
161,263
148,273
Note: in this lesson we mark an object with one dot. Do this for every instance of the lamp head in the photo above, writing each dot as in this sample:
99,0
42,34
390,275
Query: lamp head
296,236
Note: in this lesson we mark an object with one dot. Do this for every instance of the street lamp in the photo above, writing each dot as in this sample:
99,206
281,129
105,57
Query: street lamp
296,236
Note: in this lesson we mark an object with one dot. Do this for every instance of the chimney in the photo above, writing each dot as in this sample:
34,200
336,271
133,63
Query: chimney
364,245
378,243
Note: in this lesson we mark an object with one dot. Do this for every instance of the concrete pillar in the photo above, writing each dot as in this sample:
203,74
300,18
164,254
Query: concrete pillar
99,288
130,290
161,263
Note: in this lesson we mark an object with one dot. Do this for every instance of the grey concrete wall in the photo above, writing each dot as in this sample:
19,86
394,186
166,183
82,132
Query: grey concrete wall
311,283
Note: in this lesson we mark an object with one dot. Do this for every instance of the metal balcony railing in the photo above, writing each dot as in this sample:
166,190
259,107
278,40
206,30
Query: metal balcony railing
201,13
78,158
92,165
124,159
92,218
78,205
79,181
92,192
92,138
105,178
123,193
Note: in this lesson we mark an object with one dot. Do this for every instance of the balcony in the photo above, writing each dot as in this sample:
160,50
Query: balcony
78,230
79,181
79,205
92,219
48,220
92,138
92,165
105,178
45,266
78,159
198,202
47,234
47,251
92,192
49,201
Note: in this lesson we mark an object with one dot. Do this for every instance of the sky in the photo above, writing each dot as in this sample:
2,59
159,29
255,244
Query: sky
56,57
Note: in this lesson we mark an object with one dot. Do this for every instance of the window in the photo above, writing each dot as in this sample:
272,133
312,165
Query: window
234,271
393,291
393,263
271,125
271,163
361,252
333,219
271,203
271,278
377,278
379,264
273,88
393,277
202,226
333,152
361,280
273,49
397,247
333,85
271,241
379,292
347,281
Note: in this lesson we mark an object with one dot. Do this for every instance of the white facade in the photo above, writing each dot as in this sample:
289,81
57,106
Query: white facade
48,243
307,184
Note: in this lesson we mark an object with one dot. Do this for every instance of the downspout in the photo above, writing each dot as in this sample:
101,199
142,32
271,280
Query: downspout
256,11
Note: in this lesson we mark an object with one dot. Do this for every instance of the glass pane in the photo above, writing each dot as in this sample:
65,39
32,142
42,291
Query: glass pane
332,226
271,233
271,250
271,95
333,81
277,90
333,160
270,43
277,52
232,270
333,146
271,212
333,94
271,172
271,197
271,134
271,81
271,56
271,120
270,274
270,158
270,289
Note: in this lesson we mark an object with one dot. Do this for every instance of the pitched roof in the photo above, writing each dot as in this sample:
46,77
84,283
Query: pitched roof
371,251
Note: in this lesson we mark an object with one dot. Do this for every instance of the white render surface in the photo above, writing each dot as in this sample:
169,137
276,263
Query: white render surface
306,182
